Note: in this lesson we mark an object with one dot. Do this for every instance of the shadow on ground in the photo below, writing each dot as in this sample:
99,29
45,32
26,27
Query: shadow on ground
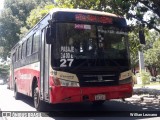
146,90
113,108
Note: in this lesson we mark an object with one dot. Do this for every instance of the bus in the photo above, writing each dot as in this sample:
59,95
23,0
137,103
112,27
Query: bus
73,55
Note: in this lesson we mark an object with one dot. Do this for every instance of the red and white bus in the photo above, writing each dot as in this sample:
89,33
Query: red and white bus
73,55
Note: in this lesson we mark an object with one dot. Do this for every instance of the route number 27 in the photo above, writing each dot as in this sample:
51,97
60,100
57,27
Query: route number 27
66,62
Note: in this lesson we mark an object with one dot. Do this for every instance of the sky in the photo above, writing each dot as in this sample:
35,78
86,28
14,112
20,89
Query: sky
1,4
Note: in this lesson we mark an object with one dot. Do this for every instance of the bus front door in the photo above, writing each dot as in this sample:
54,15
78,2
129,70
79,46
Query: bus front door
44,68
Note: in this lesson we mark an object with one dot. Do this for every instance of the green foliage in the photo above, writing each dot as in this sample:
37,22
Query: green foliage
151,57
123,8
151,50
152,53
37,14
65,3
9,30
145,76
134,47
13,22
151,37
4,71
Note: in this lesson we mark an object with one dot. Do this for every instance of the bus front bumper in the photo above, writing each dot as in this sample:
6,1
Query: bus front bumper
59,94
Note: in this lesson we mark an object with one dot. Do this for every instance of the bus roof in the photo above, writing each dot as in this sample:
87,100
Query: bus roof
83,11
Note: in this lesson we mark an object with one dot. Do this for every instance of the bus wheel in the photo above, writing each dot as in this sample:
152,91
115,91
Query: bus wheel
17,95
39,105
97,103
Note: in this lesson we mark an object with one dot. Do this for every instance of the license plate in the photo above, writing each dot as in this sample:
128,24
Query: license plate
100,97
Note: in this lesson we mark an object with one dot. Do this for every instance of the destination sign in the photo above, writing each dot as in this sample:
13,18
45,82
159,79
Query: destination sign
93,18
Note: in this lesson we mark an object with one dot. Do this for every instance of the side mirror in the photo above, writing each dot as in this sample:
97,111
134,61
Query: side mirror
142,37
50,35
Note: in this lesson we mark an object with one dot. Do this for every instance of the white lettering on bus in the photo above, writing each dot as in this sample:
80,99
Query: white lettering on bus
66,56
25,76
65,61
67,49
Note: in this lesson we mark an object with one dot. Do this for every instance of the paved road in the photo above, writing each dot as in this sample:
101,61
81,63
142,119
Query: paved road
86,111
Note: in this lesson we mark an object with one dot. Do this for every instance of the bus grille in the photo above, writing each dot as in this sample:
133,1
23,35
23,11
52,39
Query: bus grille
98,78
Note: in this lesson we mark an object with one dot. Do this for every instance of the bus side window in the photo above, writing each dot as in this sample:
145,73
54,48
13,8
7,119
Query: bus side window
23,50
36,39
13,58
20,55
29,46
17,54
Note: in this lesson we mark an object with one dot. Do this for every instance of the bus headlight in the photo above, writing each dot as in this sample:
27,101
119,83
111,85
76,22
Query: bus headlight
67,83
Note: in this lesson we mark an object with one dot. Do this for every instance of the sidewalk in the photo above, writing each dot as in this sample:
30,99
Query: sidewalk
145,95
157,87
148,89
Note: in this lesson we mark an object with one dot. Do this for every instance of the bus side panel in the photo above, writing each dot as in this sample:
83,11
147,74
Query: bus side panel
24,77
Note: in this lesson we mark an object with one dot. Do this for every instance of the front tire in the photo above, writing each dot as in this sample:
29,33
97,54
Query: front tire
39,104
17,95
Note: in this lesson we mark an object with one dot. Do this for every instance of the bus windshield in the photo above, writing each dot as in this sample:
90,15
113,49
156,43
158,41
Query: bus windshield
89,45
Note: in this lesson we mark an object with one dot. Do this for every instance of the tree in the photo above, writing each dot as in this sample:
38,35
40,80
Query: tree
144,7
152,54
40,12
134,47
9,30
13,20
151,61
4,71
132,9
